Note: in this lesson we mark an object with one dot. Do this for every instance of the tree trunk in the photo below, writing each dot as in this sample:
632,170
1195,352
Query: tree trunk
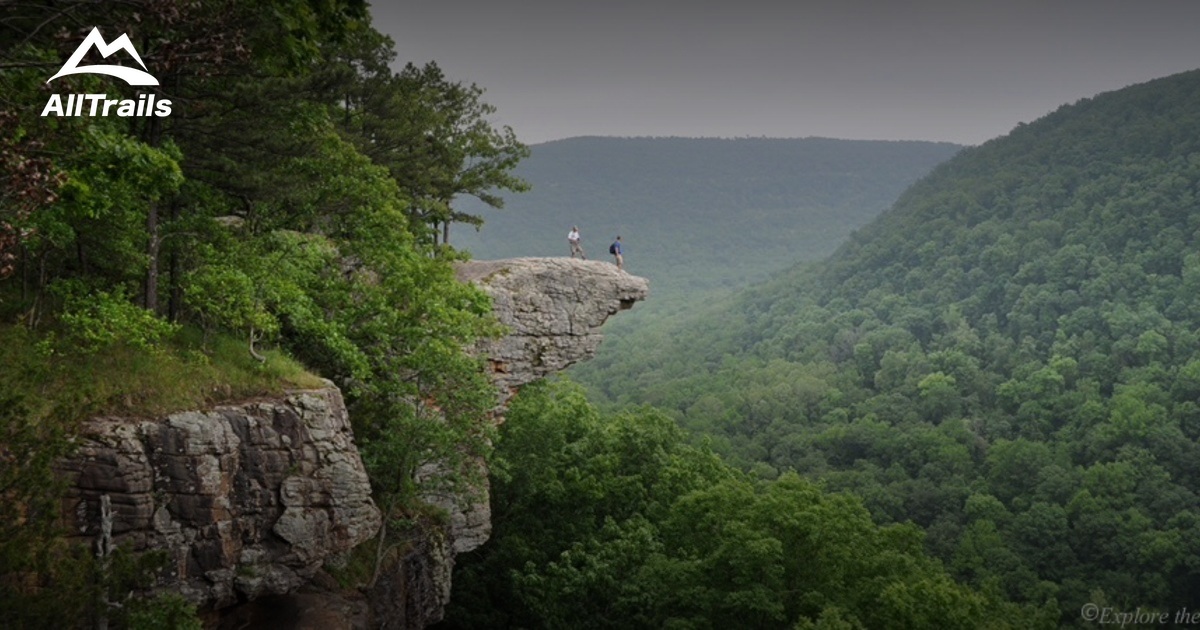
152,246
153,242
175,296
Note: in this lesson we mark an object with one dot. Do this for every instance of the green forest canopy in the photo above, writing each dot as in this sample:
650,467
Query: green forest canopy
615,522
294,206
1008,358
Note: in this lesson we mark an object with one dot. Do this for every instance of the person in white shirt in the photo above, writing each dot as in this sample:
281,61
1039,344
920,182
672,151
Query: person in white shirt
574,239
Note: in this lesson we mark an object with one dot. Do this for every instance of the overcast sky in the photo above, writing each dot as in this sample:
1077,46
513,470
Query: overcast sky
960,71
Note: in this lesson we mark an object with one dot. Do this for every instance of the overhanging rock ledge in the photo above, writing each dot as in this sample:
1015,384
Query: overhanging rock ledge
553,307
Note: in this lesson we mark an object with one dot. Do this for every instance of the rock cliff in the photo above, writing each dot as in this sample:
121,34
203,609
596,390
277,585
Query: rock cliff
553,309
250,500
247,500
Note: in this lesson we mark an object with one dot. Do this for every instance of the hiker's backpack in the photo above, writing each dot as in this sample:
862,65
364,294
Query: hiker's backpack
612,249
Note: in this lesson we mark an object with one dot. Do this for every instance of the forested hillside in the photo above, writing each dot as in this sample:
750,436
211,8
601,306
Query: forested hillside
1008,358
699,214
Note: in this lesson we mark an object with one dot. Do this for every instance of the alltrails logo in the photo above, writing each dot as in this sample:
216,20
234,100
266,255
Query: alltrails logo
100,104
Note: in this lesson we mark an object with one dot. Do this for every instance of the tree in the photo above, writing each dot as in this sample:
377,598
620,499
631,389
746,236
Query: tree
432,133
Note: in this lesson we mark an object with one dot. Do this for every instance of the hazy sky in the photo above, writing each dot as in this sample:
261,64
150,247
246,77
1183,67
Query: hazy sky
961,71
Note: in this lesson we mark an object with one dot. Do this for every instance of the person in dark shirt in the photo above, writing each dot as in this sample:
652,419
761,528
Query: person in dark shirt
615,250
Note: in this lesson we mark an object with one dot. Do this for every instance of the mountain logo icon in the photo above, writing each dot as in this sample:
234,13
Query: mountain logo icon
132,76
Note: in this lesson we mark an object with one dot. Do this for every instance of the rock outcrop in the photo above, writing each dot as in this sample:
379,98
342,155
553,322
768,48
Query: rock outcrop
553,309
247,500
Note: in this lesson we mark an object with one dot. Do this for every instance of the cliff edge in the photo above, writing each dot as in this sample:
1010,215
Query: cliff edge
553,307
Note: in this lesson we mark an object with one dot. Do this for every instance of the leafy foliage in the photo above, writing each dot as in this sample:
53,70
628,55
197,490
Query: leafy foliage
93,321
614,522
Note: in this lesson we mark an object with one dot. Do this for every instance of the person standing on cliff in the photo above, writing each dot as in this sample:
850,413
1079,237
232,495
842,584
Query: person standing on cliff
574,239
615,250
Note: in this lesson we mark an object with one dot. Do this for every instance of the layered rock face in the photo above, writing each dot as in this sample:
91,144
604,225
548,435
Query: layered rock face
247,500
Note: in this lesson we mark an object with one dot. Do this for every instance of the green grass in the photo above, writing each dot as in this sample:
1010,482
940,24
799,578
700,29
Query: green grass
183,373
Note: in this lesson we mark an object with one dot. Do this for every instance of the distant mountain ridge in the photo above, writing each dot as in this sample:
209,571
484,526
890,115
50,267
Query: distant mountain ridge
699,213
